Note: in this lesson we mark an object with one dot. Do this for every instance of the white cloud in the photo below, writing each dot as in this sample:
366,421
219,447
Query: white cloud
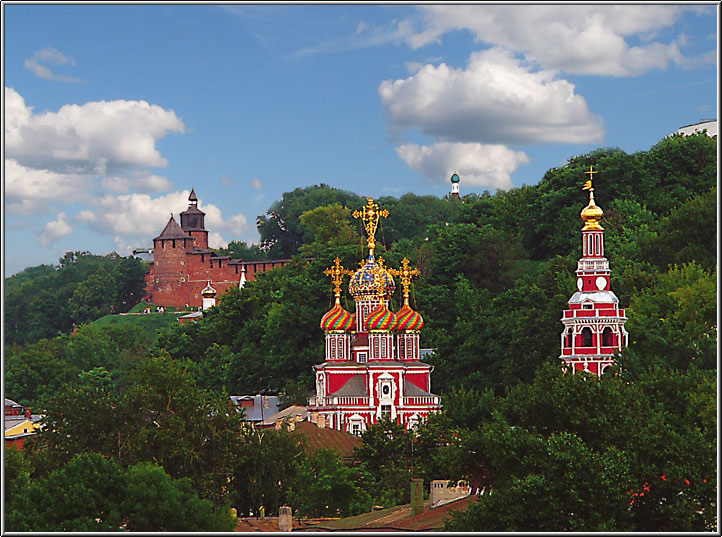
57,229
256,183
138,181
496,99
226,181
50,56
85,216
216,241
96,137
29,190
135,219
477,164
581,39
56,156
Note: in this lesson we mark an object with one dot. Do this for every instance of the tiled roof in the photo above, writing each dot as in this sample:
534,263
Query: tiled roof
291,411
340,442
172,231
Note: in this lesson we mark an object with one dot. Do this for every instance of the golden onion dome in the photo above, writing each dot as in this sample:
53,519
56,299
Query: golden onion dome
208,291
592,215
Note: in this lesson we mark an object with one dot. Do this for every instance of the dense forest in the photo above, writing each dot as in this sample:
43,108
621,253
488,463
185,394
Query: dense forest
634,451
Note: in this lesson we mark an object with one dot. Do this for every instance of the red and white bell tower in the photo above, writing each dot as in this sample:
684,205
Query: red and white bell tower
593,324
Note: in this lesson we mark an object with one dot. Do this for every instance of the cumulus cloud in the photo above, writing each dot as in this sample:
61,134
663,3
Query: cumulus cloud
477,164
134,219
138,181
29,190
96,137
496,99
57,229
49,55
580,39
57,156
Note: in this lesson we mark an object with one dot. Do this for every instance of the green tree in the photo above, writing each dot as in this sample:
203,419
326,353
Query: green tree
155,502
264,469
324,486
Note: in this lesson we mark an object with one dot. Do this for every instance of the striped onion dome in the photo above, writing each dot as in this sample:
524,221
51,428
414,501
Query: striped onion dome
336,319
381,319
408,320
362,283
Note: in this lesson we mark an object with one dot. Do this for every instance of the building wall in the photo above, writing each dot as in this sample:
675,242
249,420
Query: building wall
177,276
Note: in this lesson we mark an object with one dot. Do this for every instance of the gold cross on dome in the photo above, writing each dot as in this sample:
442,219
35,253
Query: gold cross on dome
370,215
337,272
588,184
405,275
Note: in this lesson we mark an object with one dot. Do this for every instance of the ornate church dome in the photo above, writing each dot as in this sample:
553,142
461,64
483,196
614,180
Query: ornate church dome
337,319
364,284
381,319
408,320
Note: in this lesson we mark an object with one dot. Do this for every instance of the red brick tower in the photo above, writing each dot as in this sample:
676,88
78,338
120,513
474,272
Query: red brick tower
593,324
168,271
183,264
193,222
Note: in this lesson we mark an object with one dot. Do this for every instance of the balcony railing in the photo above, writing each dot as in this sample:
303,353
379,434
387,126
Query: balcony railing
323,401
421,400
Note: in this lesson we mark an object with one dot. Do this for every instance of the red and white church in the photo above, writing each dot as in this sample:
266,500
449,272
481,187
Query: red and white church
594,323
372,368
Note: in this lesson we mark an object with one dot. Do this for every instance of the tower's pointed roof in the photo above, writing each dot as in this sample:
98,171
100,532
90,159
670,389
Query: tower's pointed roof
193,196
172,231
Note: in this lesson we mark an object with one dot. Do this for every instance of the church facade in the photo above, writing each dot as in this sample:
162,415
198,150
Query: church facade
372,368
183,265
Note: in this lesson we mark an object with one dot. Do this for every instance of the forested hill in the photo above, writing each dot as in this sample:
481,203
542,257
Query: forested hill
133,417
496,272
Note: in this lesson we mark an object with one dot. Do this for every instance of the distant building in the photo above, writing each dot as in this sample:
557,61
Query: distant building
710,125
20,423
455,186
257,408
288,417
182,265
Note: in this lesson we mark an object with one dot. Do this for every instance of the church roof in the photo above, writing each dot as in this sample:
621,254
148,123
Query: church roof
412,390
172,231
355,387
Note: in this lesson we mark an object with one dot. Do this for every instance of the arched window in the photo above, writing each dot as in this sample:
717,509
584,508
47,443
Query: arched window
607,337
586,337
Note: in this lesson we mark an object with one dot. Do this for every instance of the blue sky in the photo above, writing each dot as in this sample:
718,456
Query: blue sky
112,113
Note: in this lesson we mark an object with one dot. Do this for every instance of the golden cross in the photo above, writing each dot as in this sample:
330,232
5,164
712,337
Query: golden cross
405,275
588,184
370,215
337,272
